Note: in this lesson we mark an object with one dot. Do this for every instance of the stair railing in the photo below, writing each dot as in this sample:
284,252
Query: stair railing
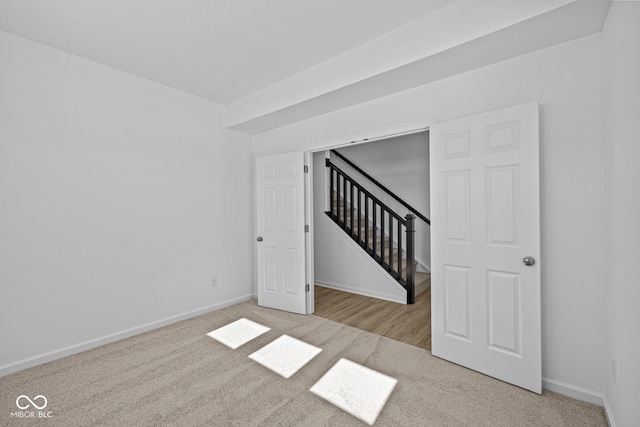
349,199
382,187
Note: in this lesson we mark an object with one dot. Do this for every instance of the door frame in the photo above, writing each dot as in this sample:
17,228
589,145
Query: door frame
308,202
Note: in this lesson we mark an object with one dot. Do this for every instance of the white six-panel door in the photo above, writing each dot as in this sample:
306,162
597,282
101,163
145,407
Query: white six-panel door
485,219
280,229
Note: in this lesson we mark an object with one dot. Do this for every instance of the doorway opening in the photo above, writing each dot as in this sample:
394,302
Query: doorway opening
361,252
486,210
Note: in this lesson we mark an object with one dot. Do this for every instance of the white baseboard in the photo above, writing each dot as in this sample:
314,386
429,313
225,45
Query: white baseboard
608,412
97,342
581,393
366,293
574,391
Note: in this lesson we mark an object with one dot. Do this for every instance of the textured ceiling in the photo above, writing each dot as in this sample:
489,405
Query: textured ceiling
221,50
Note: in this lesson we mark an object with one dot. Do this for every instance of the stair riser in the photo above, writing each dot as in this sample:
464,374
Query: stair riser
378,241
379,244
362,218
363,227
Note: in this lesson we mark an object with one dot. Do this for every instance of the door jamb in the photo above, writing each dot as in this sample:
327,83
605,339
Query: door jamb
308,216
308,205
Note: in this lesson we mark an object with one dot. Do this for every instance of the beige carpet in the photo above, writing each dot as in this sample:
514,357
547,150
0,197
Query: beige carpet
178,376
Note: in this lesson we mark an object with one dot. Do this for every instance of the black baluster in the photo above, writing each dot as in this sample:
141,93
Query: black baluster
375,227
352,208
366,221
359,216
399,248
382,237
331,190
390,241
344,202
338,203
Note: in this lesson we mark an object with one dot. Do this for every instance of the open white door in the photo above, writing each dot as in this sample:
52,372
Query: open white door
281,234
485,228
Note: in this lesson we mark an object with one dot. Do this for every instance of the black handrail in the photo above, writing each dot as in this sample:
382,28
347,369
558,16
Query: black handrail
382,187
364,191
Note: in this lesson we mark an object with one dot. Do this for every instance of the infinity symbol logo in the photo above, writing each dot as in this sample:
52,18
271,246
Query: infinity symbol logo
21,397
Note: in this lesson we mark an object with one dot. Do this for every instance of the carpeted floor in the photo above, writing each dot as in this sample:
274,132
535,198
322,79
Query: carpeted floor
178,376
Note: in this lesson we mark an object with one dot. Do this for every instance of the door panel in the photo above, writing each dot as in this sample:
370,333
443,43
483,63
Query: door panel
485,219
456,304
457,206
280,225
503,297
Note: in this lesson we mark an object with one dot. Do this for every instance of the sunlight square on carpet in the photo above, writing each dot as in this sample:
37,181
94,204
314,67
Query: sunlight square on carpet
285,355
356,389
237,333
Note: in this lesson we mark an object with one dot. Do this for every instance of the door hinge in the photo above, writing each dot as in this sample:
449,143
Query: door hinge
306,288
306,169
306,228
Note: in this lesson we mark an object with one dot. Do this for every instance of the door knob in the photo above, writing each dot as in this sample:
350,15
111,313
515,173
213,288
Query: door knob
529,261
259,239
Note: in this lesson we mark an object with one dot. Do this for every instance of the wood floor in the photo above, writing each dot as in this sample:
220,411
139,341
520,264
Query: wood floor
410,324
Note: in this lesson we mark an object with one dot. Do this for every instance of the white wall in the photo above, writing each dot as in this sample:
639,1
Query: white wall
120,200
402,165
338,262
622,43
568,81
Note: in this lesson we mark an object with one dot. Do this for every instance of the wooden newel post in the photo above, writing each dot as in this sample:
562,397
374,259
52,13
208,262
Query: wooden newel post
411,273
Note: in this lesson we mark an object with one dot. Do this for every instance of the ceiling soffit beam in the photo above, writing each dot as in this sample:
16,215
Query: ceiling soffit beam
568,22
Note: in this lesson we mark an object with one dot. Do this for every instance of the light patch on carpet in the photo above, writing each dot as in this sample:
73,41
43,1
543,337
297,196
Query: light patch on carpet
237,333
354,388
285,355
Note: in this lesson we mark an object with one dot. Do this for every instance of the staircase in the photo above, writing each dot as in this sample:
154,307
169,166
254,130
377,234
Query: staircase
422,280
382,233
